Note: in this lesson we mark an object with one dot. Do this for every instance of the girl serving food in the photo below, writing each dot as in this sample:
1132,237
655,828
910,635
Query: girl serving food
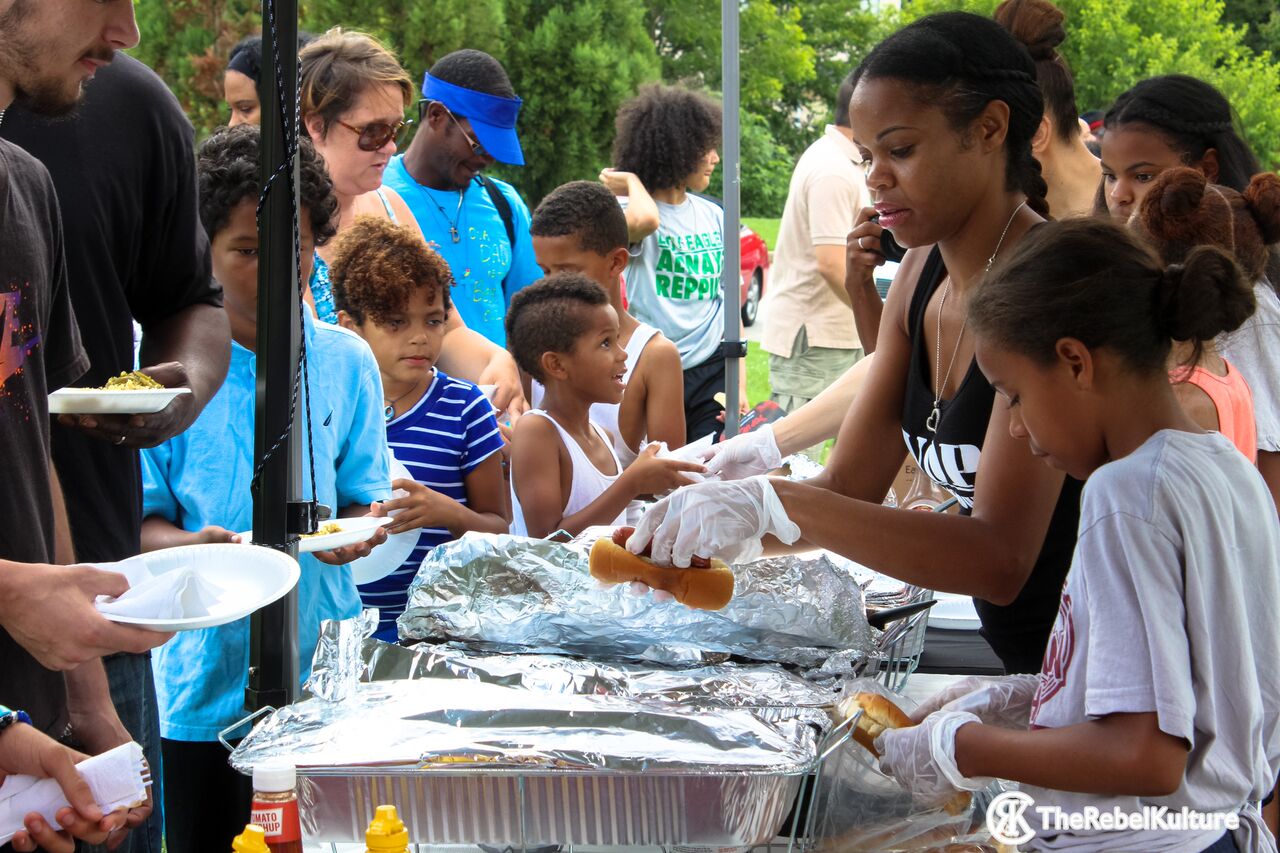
943,113
1159,686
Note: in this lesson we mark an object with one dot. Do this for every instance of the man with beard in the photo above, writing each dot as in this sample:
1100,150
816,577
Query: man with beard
49,50
480,226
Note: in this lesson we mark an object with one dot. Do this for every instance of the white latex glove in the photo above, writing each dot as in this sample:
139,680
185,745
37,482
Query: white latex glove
713,519
745,455
1003,701
923,757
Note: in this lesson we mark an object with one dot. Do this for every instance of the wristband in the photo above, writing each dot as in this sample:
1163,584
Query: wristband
9,717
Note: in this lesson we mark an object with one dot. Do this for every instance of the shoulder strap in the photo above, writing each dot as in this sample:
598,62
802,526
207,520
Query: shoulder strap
504,210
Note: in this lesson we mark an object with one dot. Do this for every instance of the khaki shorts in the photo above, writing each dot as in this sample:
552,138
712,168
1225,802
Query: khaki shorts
809,371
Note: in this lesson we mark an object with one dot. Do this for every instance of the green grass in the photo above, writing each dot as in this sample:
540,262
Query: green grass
757,374
766,228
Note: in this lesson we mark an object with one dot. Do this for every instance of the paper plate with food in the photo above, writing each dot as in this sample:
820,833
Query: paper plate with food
132,393
335,533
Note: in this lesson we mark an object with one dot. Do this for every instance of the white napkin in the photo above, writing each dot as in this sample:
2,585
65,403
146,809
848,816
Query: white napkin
116,778
691,452
176,594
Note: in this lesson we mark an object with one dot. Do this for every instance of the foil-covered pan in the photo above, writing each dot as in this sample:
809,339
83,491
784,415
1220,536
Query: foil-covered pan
506,593
468,762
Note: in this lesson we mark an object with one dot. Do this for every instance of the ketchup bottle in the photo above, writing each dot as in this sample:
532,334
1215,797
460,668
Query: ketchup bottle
275,806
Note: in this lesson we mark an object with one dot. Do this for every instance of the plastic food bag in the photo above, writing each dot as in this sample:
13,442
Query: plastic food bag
861,809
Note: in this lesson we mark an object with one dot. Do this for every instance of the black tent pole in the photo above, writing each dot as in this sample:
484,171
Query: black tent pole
273,643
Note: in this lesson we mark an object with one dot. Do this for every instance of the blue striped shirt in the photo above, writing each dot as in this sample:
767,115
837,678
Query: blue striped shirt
441,440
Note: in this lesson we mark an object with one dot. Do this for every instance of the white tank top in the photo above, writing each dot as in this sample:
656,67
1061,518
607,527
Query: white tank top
587,483
606,414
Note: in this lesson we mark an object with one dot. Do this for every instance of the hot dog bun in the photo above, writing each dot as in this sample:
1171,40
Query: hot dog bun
704,589
879,713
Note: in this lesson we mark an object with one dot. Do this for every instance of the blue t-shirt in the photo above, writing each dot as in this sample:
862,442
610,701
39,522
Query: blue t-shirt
201,477
441,441
483,258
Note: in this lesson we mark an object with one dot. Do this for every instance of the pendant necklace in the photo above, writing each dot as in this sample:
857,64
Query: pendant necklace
390,411
931,423
457,214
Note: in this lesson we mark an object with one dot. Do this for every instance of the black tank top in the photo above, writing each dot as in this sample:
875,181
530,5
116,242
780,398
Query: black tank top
1017,633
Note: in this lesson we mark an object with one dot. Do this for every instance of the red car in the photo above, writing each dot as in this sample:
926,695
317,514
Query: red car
755,272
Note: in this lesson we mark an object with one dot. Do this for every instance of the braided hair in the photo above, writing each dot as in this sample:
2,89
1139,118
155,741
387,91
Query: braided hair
962,62
1193,117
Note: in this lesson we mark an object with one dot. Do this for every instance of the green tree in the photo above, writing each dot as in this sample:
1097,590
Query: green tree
573,73
1261,19
765,169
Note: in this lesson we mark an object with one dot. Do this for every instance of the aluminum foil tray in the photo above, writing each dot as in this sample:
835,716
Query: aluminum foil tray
507,593
524,810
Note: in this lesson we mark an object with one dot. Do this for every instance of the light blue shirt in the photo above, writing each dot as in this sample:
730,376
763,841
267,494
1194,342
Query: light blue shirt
483,258
201,477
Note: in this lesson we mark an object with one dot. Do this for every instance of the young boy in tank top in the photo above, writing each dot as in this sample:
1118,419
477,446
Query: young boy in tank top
580,228
565,474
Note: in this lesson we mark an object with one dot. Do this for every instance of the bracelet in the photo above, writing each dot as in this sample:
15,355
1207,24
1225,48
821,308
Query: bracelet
9,717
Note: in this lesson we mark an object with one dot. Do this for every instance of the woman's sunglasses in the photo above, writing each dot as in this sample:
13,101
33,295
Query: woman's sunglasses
375,135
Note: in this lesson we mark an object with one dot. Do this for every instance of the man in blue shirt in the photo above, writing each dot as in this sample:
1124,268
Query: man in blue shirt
480,226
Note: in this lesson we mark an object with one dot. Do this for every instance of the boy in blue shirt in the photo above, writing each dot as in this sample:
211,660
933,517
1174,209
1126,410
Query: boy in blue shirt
196,489
393,291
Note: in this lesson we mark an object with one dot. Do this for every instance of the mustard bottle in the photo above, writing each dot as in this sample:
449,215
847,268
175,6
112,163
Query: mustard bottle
387,833
252,840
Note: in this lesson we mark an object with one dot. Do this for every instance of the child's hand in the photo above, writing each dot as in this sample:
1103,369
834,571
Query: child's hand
1004,701
650,475
923,757
351,553
617,181
421,507
213,534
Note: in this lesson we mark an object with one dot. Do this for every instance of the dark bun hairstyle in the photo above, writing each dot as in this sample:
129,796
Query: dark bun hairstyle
1039,26
1183,210
1095,281
961,62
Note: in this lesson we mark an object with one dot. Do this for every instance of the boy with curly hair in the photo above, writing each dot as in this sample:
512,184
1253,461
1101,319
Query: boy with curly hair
664,153
393,291
196,487
565,474
579,227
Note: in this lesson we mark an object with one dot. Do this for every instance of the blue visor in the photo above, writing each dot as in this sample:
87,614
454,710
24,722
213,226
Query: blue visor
493,119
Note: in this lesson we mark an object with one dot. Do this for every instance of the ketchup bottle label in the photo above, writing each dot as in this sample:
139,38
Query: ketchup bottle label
278,820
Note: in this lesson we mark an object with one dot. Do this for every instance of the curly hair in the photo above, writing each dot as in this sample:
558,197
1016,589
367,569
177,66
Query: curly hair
227,174
548,317
663,133
377,264
585,209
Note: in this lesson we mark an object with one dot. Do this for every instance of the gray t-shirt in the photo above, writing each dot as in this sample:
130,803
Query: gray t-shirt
1254,349
673,278
1170,607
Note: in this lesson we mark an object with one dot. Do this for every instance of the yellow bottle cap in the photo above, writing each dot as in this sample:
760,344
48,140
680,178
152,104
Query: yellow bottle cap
387,833
252,840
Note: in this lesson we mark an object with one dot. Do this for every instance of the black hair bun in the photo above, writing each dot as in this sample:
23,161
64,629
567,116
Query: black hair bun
1038,24
1204,297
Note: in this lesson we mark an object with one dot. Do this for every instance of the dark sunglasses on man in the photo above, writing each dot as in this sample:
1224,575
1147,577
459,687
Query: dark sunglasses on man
375,134
476,148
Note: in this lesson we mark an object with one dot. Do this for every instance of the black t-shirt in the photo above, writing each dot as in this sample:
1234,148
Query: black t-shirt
1018,632
39,352
124,169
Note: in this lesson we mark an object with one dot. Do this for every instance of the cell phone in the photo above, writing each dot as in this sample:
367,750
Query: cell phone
888,246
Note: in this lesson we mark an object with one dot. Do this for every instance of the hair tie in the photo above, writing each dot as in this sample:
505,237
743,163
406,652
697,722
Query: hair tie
977,72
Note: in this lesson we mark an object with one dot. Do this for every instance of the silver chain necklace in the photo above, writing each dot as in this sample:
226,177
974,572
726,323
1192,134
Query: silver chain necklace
936,415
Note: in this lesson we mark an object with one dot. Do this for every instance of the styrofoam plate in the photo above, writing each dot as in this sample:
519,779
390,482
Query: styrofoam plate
353,530
243,580
390,555
954,613
95,401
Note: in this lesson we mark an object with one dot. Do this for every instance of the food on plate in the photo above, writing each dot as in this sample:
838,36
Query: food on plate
706,585
879,713
325,529
133,380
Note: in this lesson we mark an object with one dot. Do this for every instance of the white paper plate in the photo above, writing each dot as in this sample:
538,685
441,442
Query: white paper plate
245,580
954,613
390,555
353,530
95,401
